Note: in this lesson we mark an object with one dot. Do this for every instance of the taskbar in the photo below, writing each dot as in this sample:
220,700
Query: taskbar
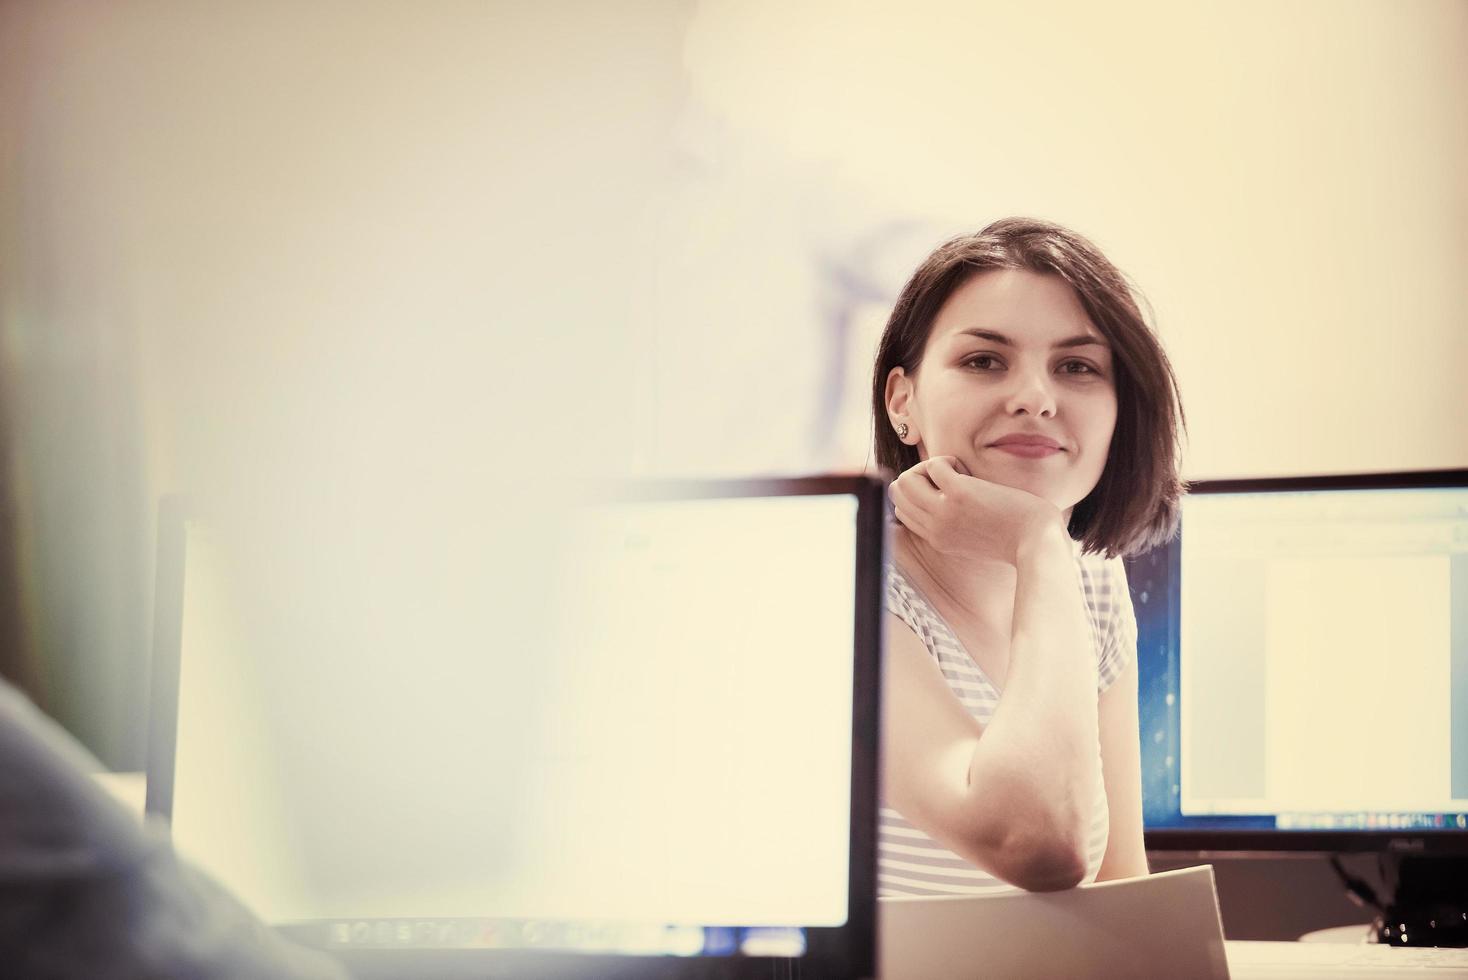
1371,821
578,936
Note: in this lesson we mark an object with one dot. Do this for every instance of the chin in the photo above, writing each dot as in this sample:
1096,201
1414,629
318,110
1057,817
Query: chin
1036,485
1040,487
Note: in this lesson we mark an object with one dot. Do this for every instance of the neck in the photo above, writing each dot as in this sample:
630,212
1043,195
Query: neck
982,590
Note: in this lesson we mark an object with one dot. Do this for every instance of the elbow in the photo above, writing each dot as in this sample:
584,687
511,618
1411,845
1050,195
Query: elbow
1038,841
1043,855
1046,866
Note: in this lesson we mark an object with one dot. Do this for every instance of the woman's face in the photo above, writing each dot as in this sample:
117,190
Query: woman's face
1013,355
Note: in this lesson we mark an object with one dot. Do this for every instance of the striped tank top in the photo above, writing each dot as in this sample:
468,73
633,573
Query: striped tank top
909,862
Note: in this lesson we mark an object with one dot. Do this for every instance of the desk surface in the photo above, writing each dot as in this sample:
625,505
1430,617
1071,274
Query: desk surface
1348,961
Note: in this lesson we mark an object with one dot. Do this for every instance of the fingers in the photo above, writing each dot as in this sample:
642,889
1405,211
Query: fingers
919,499
919,491
943,471
914,524
902,497
907,506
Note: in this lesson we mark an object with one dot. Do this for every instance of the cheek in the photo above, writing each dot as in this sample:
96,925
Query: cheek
1105,410
1100,428
958,412
1105,430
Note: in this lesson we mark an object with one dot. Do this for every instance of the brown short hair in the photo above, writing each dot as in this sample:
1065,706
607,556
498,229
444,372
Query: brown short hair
1135,504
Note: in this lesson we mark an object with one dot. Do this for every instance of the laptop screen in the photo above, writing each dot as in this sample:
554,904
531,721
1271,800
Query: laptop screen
667,751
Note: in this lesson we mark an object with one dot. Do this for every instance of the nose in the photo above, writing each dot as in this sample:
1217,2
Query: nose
1032,394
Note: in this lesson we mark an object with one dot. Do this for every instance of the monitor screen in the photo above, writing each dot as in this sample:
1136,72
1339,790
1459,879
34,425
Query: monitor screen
675,761
1303,647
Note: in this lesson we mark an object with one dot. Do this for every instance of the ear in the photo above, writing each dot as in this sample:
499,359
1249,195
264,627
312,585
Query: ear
901,403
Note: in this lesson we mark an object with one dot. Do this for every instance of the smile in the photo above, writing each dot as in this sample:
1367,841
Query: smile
1027,450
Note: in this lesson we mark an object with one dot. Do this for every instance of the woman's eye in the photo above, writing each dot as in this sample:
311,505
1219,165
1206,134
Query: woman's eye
984,362
1077,367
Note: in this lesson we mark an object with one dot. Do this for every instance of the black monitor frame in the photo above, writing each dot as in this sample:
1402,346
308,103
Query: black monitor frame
843,951
1158,638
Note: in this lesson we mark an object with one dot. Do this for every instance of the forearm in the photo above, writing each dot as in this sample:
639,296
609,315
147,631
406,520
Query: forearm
1038,761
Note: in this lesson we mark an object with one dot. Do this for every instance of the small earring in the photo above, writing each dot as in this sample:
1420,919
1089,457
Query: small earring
902,430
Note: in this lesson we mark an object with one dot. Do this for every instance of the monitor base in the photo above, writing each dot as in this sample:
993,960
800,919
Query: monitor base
1426,903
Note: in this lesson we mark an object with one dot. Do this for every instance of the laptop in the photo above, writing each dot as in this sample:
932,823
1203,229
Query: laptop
645,747
1157,926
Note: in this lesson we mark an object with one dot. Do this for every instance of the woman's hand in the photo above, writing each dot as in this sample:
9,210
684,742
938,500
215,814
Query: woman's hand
963,516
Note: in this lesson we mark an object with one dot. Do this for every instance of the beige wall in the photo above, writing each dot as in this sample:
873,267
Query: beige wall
313,259
293,251
338,257
1284,181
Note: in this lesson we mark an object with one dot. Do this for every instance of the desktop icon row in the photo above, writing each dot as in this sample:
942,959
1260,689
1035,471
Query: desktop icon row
571,936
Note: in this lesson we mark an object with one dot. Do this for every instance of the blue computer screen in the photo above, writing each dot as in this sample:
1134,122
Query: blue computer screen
1304,661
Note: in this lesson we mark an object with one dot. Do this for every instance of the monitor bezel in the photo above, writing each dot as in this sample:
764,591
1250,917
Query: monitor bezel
1242,842
841,951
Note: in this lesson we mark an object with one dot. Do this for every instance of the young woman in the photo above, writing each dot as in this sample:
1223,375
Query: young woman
1033,421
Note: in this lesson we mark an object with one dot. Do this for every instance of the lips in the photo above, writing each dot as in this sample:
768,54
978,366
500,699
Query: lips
1026,439
1027,445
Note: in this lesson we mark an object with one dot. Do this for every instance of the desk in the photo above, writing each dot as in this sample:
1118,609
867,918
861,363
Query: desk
1342,934
1347,961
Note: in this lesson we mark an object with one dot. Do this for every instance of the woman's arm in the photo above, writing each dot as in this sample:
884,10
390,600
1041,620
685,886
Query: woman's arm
1126,853
1016,802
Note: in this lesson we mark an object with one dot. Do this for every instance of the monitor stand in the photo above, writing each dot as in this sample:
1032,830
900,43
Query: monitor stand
1426,901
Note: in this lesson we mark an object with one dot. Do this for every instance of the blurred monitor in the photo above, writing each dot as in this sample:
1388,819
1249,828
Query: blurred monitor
656,759
1303,649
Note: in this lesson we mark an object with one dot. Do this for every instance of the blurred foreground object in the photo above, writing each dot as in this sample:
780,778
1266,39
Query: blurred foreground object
86,892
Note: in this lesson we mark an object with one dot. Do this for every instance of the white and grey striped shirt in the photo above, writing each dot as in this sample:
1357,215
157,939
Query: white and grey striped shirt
909,862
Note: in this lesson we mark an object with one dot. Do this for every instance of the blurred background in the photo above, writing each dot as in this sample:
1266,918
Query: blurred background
419,267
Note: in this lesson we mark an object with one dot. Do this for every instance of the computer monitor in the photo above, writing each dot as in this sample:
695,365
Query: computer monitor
672,775
1303,656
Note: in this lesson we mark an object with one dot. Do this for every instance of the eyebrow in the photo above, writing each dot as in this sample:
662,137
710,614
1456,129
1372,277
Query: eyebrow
1080,340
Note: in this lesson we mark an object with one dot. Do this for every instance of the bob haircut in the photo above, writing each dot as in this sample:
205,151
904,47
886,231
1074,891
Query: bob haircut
1136,503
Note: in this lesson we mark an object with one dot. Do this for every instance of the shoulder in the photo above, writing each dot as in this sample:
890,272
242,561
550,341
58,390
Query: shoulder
1109,602
910,608
901,599
1104,582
